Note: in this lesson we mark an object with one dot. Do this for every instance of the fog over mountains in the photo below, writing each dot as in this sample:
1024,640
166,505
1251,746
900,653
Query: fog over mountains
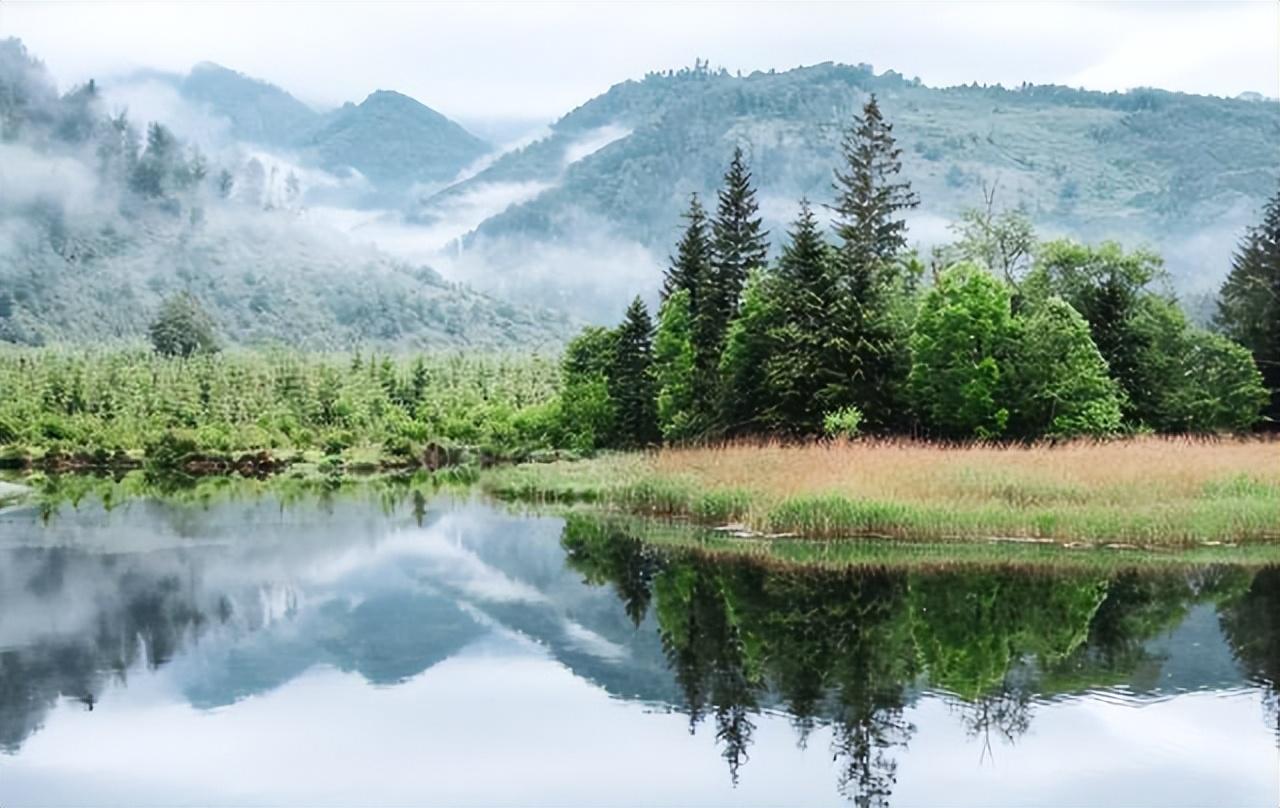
580,216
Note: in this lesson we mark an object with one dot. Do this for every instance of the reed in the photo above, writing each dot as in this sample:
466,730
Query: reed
1145,490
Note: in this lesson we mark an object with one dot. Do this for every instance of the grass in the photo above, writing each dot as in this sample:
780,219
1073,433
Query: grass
1145,491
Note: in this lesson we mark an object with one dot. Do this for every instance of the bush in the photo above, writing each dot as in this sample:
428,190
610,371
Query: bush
842,423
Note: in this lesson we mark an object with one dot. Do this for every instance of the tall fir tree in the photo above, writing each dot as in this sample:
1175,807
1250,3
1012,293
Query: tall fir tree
1249,302
804,291
739,240
691,271
865,359
870,198
691,264
632,384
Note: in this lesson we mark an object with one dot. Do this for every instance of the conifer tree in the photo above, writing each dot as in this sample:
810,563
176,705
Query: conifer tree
865,358
691,272
869,196
1249,302
804,292
631,379
692,262
739,241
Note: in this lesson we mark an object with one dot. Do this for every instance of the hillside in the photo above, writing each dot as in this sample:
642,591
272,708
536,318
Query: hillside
1180,172
390,139
393,141
99,223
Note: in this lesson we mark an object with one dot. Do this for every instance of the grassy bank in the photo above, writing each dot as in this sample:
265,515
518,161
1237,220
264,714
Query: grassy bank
1144,491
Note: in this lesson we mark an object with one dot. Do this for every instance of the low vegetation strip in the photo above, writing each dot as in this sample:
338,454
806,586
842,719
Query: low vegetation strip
1147,491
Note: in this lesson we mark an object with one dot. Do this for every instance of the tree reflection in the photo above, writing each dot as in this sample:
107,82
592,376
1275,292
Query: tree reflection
848,648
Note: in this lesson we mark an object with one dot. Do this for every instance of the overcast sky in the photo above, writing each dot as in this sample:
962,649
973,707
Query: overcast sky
538,61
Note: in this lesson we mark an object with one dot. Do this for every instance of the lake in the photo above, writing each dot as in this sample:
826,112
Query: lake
379,648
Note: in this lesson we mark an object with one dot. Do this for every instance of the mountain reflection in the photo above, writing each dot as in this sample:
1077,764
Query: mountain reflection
240,598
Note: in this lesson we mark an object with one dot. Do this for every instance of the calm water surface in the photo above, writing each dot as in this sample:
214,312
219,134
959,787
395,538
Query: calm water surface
410,652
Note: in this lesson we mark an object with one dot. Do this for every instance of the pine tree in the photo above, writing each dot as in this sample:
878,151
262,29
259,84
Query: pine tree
692,262
632,384
740,244
1249,302
869,197
691,272
803,290
865,358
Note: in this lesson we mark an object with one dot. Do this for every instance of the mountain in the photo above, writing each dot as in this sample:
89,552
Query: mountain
394,141
259,112
1182,173
98,225
391,140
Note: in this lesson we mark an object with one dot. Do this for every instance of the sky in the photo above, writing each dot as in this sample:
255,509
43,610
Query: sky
536,61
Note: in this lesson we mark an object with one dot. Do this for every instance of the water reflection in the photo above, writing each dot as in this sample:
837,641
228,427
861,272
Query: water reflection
850,648
231,598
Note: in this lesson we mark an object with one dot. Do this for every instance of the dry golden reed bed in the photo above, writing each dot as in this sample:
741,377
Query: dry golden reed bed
1144,469
1146,490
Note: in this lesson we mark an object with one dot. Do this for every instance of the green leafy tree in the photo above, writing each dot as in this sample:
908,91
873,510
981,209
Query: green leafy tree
961,332
866,360
182,328
1249,302
674,369
1106,285
588,410
631,379
1056,381
691,271
749,351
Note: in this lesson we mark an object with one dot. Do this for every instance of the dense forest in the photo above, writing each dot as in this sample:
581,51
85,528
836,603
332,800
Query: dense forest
998,335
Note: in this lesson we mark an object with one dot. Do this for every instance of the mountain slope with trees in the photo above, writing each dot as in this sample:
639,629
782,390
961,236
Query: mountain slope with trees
99,224
1181,171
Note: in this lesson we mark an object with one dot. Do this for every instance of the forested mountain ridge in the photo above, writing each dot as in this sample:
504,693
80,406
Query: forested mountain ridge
392,140
99,224
1181,173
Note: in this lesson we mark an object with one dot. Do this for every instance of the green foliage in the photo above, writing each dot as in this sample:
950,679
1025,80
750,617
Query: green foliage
1249,301
749,350
844,423
674,369
962,333
588,409
1056,381
135,401
1107,286
631,379
182,328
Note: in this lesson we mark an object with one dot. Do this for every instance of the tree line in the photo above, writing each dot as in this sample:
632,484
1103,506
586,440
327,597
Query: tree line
997,336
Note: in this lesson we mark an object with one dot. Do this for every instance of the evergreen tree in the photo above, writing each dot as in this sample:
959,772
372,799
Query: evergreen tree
692,262
865,359
869,196
803,290
739,242
1249,302
692,271
631,379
